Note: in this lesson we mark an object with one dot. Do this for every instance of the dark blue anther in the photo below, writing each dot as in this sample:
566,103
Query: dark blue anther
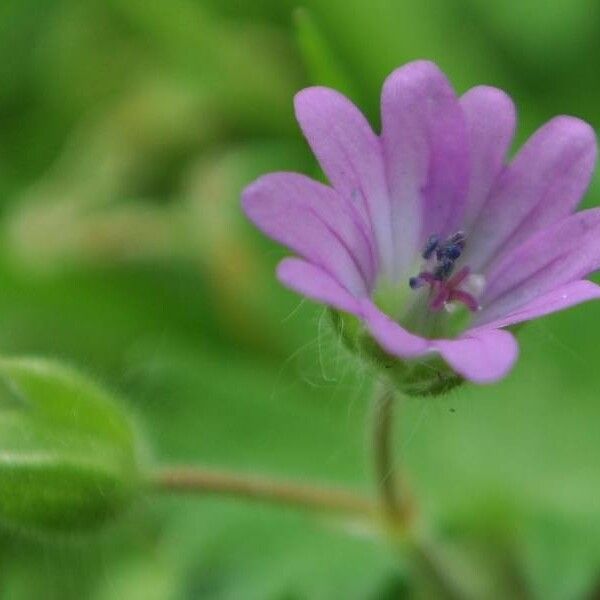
451,251
446,255
430,247
415,283
458,238
444,269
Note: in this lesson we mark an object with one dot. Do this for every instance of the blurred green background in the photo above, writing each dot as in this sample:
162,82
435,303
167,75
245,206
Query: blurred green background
127,130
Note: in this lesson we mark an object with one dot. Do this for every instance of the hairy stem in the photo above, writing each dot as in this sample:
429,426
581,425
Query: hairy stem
393,498
439,574
199,480
396,503
395,507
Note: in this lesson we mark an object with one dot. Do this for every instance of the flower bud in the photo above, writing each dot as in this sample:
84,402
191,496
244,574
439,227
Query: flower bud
429,376
67,451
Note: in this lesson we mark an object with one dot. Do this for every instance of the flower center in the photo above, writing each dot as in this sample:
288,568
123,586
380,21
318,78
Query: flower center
441,257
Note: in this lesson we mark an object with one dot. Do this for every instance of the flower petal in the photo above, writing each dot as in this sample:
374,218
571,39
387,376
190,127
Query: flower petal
391,336
542,185
315,283
350,155
558,255
426,155
563,297
482,356
490,117
311,219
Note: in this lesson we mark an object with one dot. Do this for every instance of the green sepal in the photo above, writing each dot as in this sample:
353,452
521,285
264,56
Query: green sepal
429,376
68,460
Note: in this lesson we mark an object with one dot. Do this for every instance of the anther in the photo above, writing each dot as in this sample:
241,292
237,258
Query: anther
444,286
450,251
421,279
459,238
444,269
416,282
431,245
452,248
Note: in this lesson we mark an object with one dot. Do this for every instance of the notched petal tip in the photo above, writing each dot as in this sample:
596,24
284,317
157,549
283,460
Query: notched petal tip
483,99
415,82
320,106
578,139
578,133
315,94
575,126
417,69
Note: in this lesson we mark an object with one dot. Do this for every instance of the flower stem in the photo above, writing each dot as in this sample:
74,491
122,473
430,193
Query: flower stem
396,508
397,505
200,480
446,585
206,481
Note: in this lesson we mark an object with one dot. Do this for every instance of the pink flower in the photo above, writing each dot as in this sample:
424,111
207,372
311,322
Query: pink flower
426,228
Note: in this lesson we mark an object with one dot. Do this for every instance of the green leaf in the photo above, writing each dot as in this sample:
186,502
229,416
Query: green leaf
67,451
561,554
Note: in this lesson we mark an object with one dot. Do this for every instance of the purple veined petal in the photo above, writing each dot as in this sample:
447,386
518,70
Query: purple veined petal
315,283
565,252
393,338
563,297
350,154
482,356
542,185
311,219
491,119
426,157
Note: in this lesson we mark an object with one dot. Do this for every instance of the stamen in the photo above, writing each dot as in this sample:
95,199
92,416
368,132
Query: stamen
444,269
452,248
428,278
449,251
444,289
430,246
416,282
458,238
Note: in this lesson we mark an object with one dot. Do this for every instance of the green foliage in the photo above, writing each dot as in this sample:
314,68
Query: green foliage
68,452
127,130
320,60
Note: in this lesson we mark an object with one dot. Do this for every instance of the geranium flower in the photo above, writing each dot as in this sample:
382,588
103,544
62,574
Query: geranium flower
426,235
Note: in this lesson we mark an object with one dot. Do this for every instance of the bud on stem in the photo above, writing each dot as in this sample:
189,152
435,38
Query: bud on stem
67,451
